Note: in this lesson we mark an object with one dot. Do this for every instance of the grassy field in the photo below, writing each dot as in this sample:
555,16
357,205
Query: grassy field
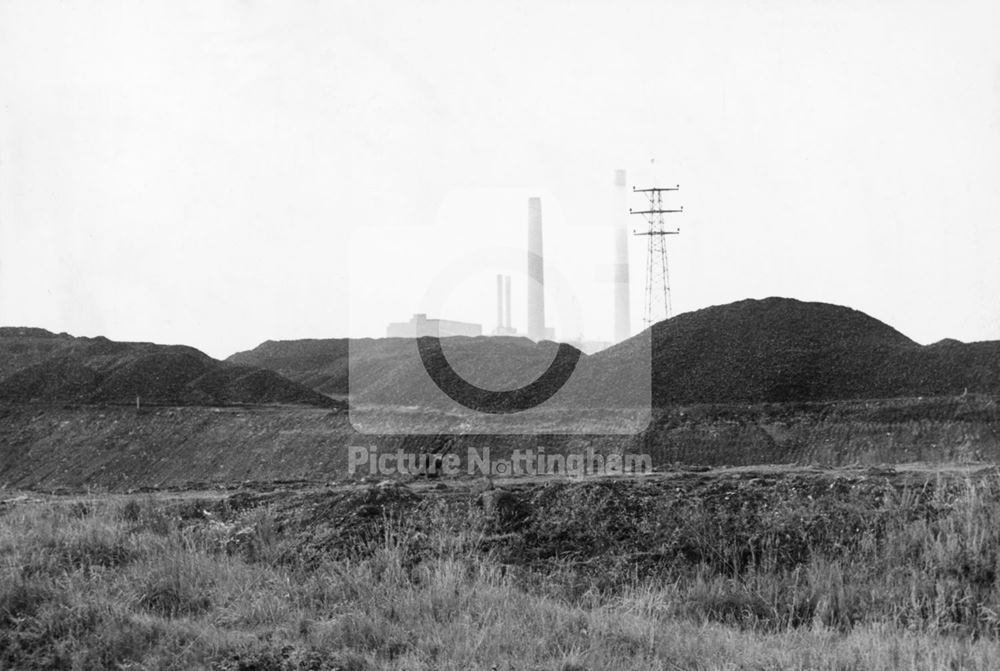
721,570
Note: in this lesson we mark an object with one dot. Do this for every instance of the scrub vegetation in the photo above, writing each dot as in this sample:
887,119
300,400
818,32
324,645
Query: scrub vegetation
844,569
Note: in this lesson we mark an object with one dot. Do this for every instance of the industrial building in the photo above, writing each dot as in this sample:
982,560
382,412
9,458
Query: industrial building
588,346
419,325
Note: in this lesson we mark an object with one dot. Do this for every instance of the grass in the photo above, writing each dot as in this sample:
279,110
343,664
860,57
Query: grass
589,577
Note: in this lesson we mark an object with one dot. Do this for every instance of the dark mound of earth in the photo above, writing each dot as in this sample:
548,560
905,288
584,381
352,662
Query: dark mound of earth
38,366
317,363
780,349
386,368
770,350
21,347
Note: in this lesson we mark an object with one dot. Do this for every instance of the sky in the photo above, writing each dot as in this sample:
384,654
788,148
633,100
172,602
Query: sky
223,173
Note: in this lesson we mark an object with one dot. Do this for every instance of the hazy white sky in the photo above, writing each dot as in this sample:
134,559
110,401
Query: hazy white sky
212,173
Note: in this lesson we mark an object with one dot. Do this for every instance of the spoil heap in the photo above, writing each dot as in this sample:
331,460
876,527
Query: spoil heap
777,349
37,366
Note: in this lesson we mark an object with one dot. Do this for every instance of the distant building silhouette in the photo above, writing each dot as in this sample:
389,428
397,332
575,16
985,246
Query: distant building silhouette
419,325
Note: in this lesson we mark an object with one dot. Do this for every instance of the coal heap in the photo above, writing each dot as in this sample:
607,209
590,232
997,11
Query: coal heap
776,349
38,366
319,364
771,350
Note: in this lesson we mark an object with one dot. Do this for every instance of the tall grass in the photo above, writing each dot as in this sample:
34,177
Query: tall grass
908,583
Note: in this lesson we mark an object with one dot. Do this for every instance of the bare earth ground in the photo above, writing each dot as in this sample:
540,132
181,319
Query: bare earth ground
905,474
48,447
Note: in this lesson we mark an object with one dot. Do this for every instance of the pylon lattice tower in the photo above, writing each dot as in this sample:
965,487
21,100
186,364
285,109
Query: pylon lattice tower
657,268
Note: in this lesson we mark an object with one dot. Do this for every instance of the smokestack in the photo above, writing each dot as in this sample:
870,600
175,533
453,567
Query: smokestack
506,292
500,305
536,272
623,314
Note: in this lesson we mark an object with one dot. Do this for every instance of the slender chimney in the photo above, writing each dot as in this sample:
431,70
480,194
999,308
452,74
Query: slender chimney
623,315
536,271
500,305
506,292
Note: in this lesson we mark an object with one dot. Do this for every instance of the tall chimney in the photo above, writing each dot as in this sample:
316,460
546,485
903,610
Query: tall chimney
623,314
506,302
500,305
536,272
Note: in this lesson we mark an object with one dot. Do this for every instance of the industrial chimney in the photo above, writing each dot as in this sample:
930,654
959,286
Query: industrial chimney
506,303
501,321
623,315
536,272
